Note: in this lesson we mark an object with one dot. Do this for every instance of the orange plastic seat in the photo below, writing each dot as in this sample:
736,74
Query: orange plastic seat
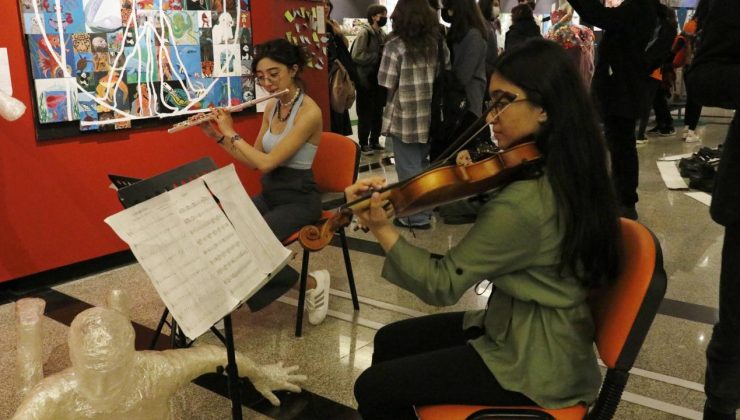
622,313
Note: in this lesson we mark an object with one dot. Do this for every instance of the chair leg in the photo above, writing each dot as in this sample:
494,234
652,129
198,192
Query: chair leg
348,265
302,294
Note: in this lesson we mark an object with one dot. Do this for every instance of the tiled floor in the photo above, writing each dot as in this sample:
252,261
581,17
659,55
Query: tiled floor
667,381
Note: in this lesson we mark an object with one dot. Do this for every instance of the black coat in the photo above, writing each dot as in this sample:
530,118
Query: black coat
714,80
521,31
619,78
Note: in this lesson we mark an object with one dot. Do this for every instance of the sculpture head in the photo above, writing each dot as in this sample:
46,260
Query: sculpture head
101,348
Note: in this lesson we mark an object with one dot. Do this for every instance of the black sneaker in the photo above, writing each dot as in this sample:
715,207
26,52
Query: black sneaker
667,132
377,147
367,150
654,131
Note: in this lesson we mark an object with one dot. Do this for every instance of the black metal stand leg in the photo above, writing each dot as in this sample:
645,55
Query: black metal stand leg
173,334
348,265
302,295
157,333
232,371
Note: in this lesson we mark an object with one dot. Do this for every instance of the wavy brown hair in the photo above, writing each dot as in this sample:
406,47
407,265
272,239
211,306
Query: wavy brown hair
417,24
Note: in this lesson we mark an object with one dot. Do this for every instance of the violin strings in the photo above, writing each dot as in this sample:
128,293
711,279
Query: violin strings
445,155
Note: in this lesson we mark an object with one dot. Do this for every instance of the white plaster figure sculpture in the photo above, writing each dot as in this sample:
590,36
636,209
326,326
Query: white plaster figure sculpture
109,379
10,108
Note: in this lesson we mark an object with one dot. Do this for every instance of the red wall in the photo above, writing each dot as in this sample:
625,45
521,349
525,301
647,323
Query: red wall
54,195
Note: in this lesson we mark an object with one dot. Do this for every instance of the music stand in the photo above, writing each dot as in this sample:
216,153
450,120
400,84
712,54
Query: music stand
136,192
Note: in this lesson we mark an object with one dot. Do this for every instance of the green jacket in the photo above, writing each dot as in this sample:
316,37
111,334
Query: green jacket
539,332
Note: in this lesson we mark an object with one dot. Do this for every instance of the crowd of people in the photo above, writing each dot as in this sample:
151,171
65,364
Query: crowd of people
546,237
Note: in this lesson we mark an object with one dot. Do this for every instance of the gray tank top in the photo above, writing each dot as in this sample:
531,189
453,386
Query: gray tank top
303,158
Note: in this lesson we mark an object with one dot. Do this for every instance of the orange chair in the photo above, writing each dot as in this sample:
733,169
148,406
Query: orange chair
335,168
623,314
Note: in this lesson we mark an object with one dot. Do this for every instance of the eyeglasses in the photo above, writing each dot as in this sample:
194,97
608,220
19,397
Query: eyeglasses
271,77
501,102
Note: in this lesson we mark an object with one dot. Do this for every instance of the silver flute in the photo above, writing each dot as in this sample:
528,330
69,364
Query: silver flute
208,115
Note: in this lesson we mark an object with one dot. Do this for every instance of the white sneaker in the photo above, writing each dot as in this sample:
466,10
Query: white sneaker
317,299
685,132
692,137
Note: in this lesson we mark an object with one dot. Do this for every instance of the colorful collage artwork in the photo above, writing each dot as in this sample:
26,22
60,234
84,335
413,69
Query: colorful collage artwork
109,62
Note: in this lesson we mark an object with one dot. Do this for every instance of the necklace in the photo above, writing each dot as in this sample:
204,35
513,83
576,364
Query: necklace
291,103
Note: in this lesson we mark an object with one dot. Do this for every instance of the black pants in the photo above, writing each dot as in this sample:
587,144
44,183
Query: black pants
370,103
693,111
620,138
651,87
289,201
423,361
722,383
663,117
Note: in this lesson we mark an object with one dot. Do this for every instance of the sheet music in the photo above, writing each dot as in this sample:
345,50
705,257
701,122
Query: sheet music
201,267
248,222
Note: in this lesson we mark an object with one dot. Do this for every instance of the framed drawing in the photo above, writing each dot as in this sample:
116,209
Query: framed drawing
101,65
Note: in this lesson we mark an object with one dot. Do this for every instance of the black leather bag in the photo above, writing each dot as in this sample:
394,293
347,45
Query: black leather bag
449,107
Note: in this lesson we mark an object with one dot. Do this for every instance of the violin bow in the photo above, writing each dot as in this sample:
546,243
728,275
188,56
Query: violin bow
466,137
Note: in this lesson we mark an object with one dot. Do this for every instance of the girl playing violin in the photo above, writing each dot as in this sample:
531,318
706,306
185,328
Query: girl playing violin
283,152
542,242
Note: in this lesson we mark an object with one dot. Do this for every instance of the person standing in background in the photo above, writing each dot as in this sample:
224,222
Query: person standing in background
523,26
407,70
659,69
490,11
366,53
713,81
683,48
467,41
618,84
337,48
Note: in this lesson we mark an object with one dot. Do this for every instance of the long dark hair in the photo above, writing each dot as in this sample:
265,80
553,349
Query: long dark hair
465,16
417,24
486,9
576,159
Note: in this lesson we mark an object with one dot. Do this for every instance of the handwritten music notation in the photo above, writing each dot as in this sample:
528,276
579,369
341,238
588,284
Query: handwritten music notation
202,263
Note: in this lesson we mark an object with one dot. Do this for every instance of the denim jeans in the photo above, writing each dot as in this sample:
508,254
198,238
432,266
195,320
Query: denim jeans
411,159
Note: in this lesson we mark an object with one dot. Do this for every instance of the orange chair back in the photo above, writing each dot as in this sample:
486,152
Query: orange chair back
336,163
624,312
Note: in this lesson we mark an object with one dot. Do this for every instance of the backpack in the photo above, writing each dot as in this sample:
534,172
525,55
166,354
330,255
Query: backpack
448,108
341,89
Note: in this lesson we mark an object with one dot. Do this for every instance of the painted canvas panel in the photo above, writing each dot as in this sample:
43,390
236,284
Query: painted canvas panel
106,63
57,100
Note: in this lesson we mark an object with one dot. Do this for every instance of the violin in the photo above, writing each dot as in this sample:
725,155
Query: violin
442,183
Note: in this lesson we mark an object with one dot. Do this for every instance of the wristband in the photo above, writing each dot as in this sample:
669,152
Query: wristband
221,140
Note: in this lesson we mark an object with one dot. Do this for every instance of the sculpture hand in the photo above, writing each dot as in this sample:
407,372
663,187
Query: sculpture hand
275,377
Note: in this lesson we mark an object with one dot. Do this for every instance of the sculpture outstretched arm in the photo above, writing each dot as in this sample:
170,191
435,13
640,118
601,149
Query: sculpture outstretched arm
273,377
199,360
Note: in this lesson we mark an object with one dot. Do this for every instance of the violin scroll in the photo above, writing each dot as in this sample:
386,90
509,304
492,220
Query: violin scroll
315,238
311,238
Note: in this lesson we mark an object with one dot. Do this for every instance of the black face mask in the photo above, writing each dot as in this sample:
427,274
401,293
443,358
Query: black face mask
446,15
382,21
